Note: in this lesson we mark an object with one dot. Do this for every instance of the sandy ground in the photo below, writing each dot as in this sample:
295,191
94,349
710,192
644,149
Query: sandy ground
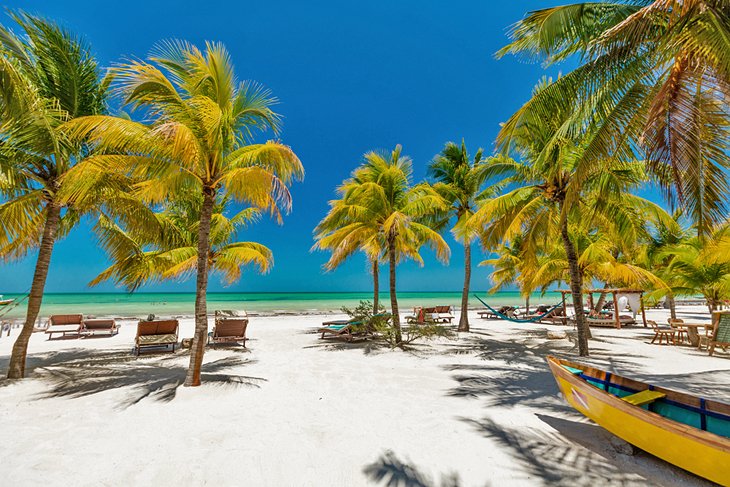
294,410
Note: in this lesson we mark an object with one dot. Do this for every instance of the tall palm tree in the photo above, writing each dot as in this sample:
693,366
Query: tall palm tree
459,179
698,269
514,265
202,123
165,246
558,173
657,261
343,233
47,76
653,72
381,192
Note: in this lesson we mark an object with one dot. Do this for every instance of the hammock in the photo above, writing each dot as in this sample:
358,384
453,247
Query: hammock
517,320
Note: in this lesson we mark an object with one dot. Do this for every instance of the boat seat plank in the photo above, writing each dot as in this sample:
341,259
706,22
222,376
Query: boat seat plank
643,397
573,370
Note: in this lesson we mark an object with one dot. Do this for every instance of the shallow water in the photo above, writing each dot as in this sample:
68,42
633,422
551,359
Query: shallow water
163,304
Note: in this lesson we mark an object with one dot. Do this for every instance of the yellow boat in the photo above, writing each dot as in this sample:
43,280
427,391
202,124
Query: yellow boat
684,430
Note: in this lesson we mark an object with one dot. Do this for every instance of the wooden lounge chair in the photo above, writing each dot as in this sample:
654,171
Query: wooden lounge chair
229,330
720,331
160,333
65,324
444,314
99,327
348,330
662,333
421,316
556,316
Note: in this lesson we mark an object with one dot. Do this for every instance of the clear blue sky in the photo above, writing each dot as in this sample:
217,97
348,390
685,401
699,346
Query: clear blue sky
351,77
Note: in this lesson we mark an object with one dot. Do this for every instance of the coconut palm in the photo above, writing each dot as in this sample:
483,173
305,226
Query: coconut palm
656,73
343,234
165,247
513,265
202,121
47,76
697,270
459,179
559,185
657,261
381,193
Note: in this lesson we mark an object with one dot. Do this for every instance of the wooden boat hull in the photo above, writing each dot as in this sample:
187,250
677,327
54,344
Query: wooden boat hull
5,302
700,452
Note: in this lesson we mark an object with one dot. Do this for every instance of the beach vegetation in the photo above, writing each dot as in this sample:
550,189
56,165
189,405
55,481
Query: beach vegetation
459,179
165,247
200,122
381,196
655,75
48,76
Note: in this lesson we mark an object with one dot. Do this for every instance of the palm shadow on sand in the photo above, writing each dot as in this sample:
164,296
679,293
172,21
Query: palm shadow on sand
578,452
82,372
390,471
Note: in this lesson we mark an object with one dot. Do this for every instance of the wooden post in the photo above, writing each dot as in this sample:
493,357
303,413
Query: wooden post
615,310
643,310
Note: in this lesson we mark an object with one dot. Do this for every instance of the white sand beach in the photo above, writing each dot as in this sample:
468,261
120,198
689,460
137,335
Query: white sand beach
295,410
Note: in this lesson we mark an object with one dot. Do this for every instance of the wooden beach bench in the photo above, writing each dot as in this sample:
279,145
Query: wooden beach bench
100,327
64,324
444,314
229,330
152,334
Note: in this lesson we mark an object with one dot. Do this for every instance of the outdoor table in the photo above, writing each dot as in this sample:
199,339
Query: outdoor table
692,331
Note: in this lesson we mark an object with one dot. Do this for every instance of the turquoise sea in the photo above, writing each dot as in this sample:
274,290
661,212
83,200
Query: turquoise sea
165,304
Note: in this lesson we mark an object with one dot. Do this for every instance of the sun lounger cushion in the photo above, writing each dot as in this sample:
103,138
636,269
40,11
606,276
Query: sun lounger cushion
63,328
156,339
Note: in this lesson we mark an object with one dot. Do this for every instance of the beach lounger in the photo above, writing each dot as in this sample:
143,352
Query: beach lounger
64,324
99,327
229,330
151,334
345,329
444,314
720,331
556,316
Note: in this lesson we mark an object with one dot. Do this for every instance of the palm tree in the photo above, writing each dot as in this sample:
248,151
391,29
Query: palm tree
514,265
459,179
657,261
165,247
343,234
47,76
202,121
698,268
656,73
381,193
554,182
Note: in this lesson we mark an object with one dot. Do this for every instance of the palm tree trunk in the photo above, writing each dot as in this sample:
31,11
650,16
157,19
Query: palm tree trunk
527,305
376,287
672,306
601,299
576,288
464,318
393,297
201,310
16,368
